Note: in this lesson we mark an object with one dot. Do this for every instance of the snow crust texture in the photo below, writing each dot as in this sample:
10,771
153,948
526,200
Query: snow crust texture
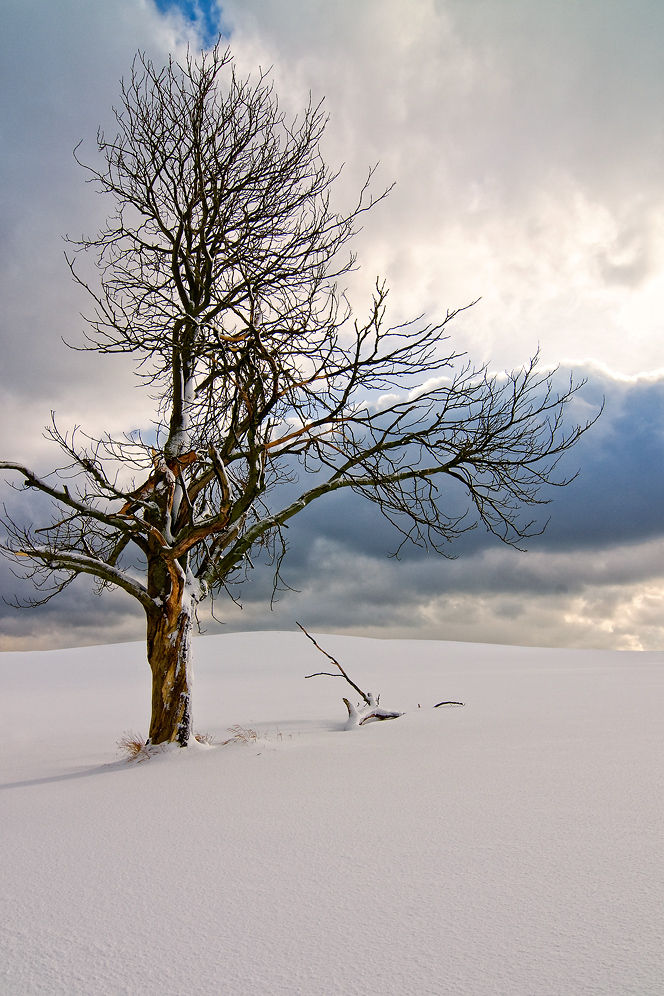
512,847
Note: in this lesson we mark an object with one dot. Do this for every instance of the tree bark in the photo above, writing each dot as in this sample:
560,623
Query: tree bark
169,656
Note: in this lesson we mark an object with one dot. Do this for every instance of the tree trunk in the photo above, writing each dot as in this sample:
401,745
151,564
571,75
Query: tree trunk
169,653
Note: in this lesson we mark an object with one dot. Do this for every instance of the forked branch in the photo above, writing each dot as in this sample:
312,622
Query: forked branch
367,697
371,711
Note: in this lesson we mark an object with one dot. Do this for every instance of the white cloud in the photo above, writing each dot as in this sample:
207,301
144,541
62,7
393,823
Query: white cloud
528,161
527,145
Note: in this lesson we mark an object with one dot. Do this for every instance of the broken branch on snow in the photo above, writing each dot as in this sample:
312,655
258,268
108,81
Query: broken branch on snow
371,711
367,697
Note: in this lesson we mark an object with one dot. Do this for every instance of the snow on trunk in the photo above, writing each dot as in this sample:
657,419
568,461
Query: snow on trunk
169,652
169,655
173,587
179,439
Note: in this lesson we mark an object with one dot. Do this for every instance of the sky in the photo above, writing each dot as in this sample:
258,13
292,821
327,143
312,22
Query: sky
526,142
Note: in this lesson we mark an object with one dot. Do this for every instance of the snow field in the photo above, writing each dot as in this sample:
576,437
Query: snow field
511,847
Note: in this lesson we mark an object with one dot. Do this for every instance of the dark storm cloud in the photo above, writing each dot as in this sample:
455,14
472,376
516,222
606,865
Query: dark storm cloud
615,497
78,617
606,529
599,560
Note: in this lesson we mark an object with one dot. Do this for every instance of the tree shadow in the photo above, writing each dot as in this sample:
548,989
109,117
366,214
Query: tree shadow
98,769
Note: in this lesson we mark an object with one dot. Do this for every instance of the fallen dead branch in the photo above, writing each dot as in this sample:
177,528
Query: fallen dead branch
371,711
366,696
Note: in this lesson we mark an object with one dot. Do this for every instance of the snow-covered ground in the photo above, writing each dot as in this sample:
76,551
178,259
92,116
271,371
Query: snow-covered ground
512,847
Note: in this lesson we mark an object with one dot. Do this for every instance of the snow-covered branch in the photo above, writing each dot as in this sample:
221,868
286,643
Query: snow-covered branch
79,563
65,497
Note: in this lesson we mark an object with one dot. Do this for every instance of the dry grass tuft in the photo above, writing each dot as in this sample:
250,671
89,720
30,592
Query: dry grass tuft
240,736
204,738
133,746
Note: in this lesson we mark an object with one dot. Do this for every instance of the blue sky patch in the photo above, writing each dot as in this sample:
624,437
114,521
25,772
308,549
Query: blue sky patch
205,14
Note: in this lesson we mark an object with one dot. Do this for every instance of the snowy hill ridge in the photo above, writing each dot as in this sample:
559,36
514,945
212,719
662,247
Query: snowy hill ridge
510,847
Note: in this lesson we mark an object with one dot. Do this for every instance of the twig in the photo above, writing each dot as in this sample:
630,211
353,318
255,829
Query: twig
336,663
448,703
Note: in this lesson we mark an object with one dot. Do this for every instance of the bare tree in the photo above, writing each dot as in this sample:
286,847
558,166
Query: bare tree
218,271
